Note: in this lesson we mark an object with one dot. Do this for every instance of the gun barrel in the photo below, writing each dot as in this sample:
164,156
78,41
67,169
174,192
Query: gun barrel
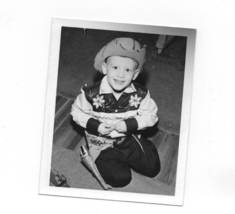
87,160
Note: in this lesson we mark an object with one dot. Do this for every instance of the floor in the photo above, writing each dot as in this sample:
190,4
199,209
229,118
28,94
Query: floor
68,135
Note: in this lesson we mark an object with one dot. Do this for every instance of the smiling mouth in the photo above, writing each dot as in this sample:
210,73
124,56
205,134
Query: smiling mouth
119,81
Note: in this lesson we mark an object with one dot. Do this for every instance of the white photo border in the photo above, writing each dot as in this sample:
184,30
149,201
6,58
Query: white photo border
44,188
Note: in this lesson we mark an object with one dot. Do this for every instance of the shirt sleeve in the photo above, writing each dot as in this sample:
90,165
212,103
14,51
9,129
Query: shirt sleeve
81,113
147,113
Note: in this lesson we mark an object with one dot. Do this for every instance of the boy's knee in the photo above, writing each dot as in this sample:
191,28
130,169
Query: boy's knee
119,180
153,169
154,172
155,166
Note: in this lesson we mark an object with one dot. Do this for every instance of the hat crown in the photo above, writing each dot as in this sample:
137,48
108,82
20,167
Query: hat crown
127,47
128,43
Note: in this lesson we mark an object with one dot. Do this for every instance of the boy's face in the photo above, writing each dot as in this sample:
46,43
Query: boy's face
120,72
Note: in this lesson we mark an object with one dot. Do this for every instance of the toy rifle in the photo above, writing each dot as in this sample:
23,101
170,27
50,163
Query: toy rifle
87,160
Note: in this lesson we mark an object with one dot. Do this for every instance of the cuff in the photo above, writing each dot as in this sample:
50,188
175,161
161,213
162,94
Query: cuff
131,125
92,126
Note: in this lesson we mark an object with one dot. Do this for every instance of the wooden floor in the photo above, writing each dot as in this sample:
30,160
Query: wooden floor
69,135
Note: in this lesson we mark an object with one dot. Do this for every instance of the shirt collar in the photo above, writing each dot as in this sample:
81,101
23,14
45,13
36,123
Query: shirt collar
105,88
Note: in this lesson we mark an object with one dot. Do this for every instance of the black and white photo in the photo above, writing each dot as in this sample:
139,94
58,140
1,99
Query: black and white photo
94,111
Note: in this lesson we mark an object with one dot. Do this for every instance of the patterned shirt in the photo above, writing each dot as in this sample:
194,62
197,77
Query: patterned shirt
97,104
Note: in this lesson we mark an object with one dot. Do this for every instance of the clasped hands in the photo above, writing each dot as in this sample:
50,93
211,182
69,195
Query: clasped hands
105,128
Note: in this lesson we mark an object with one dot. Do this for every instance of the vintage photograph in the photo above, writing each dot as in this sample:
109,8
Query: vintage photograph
117,111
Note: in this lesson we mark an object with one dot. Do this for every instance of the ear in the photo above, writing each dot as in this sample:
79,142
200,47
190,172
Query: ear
104,68
137,71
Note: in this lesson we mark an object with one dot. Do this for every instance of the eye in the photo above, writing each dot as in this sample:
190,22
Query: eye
128,70
115,67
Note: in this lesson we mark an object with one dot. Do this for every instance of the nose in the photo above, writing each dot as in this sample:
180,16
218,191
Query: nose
120,73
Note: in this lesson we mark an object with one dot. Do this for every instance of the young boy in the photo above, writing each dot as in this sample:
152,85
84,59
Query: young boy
114,110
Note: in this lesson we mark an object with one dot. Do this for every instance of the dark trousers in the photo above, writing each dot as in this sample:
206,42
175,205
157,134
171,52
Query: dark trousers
115,164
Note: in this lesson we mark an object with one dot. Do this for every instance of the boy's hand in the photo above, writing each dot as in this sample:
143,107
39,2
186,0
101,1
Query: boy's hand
105,128
120,126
